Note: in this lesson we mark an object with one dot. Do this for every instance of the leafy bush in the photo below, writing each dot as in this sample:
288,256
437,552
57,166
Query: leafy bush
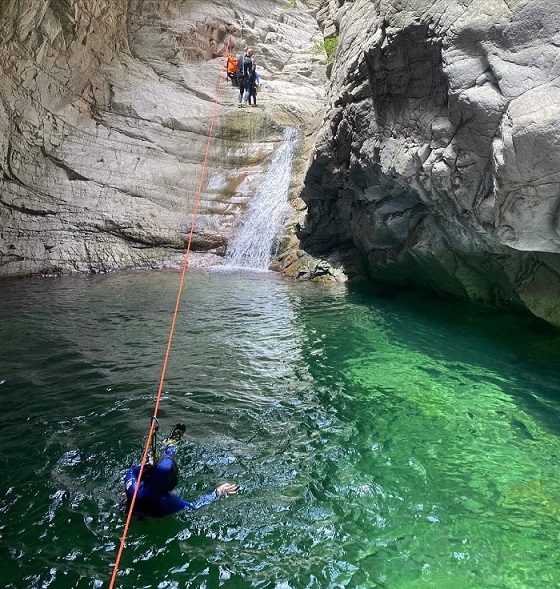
330,44
327,46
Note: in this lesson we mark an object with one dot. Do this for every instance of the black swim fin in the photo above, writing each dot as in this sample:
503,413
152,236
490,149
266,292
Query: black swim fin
176,434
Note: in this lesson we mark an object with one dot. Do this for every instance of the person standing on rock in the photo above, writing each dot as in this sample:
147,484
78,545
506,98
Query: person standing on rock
254,83
244,71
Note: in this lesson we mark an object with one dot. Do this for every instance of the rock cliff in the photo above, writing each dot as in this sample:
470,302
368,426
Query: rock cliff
438,165
105,109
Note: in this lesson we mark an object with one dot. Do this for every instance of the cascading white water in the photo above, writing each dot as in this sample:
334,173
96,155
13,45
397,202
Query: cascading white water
252,246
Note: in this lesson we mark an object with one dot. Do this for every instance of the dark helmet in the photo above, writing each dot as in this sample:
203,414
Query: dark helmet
167,472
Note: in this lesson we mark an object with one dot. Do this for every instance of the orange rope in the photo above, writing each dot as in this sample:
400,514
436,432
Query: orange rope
172,330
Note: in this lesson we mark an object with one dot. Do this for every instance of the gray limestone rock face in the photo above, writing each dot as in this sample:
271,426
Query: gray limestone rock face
105,110
438,162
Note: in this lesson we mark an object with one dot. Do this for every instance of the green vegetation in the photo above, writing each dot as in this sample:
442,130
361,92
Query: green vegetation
290,4
328,46
330,43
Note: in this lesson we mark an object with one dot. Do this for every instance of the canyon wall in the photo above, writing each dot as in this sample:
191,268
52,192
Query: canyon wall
105,109
438,165
436,161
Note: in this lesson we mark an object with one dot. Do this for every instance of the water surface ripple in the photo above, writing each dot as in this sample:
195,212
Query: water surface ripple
391,443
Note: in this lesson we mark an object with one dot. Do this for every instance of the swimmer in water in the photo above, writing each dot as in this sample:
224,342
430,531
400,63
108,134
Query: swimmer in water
154,497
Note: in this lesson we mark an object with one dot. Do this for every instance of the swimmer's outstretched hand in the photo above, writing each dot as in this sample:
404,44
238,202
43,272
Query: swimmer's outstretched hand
227,489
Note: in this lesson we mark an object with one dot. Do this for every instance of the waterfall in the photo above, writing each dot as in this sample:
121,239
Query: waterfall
262,224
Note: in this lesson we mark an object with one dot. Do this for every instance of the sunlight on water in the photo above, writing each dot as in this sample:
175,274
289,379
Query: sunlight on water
453,471
378,443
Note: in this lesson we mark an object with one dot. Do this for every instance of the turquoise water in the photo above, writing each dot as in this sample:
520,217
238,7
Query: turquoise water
394,443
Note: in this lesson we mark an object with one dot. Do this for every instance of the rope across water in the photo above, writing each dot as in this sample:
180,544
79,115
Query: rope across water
185,265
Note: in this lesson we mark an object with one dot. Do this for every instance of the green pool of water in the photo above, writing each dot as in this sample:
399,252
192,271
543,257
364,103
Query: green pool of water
395,443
